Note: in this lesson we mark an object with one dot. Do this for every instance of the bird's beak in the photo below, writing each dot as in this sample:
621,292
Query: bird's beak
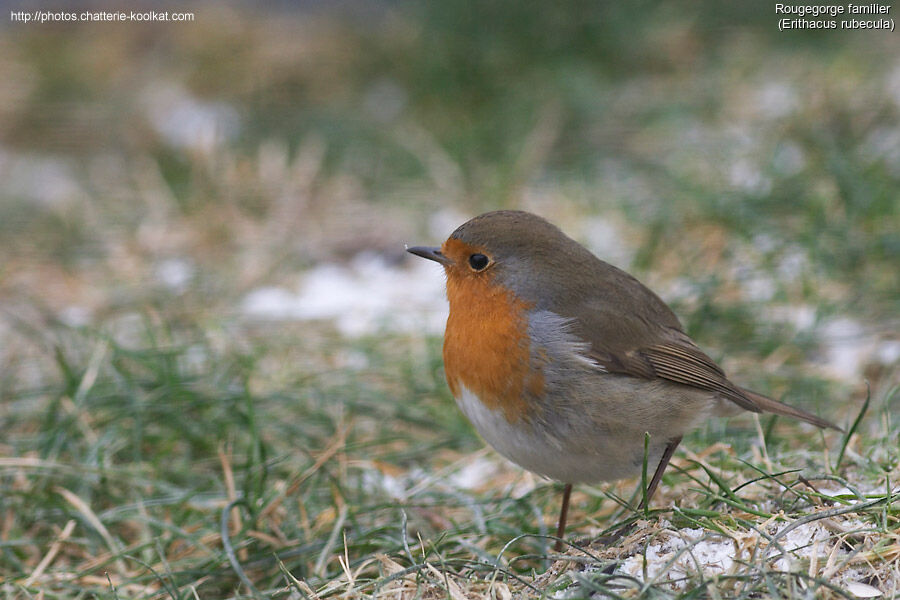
430,253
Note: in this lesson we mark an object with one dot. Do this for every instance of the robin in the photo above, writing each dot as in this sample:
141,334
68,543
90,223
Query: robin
563,363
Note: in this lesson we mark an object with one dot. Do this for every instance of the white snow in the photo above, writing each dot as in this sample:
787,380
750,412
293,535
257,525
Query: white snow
45,181
776,99
184,121
688,551
759,287
604,238
799,544
847,347
445,221
475,474
175,273
377,482
363,297
74,315
681,553
888,352
862,590
800,316
744,175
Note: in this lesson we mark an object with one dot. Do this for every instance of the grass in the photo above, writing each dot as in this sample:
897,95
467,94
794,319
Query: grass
155,442
161,471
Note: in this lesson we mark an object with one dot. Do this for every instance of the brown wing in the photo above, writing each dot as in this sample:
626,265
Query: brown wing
679,360
629,328
633,332
676,359
687,364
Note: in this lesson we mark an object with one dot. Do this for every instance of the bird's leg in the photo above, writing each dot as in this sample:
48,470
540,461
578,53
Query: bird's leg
660,469
654,482
563,514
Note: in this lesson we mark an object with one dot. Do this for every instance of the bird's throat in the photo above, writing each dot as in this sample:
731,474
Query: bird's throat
486,346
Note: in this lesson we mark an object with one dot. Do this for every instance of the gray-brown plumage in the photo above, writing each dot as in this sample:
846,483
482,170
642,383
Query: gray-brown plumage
564,363
631,331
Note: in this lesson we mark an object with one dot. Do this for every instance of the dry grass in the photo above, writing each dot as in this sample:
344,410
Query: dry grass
156,442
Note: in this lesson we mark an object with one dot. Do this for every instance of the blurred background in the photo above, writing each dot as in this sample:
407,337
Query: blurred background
204,294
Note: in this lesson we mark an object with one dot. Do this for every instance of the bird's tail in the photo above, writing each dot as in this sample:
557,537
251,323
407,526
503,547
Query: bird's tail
779,408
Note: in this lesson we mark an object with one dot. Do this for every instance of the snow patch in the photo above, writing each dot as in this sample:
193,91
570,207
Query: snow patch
800,316
745,176
444,222
475,474
175,273
603,237
679,554
184,121
45,181
847,347
888,352
682,553
364,297
777,99
75,316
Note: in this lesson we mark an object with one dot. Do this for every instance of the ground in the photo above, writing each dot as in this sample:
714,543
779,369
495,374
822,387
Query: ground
220,374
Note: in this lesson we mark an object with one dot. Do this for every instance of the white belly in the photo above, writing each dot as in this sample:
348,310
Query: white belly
601,458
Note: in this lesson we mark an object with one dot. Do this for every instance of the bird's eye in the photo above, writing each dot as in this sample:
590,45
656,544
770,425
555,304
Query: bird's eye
479,262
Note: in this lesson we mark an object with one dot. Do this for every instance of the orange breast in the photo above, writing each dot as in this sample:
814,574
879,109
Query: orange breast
486,346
